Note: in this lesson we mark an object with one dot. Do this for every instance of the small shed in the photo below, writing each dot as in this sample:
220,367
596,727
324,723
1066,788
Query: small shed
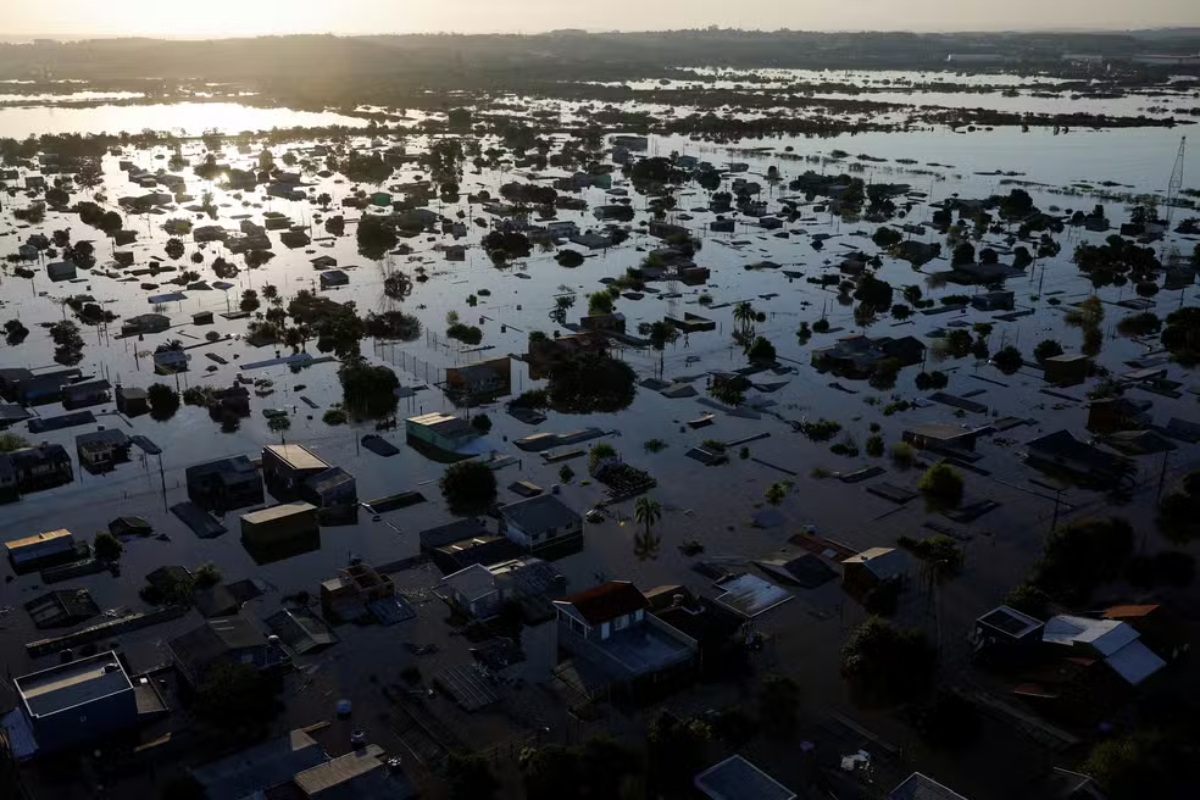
202,318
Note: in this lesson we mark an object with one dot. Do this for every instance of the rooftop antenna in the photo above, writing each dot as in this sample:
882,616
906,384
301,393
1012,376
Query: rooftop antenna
1175,185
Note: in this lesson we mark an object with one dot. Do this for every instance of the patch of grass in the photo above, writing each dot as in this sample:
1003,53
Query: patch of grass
655,445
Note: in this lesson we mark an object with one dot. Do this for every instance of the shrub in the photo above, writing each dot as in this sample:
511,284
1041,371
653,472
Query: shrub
334,416
942,486
874,445
482,423
903,455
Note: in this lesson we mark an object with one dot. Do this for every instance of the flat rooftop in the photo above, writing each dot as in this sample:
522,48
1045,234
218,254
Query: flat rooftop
278,512
69,685
643,648
39,538
735,778
296,456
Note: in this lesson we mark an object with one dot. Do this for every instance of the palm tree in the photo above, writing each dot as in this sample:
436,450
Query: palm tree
646,512
743,314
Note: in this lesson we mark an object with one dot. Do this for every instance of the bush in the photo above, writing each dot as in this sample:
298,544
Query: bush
569,258
334,416
654,445
1029,599
942,486
1046,349
107,547
599,453
206,575
482,423
469,488
903,455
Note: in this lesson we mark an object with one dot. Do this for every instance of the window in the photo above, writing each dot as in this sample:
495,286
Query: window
621,622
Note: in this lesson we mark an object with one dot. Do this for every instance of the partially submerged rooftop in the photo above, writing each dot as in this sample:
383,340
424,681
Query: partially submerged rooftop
73,684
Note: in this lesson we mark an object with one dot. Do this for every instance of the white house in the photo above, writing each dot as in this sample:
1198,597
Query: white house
543,525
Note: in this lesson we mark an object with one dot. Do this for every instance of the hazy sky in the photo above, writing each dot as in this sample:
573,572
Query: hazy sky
252,17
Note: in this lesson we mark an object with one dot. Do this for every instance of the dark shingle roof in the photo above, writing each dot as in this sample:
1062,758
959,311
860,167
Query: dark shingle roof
607,601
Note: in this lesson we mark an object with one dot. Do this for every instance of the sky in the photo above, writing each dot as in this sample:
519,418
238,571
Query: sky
219,18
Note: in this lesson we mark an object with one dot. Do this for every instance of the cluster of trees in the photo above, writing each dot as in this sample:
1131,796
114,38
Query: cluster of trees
368,392
469,488
1117,261
68,344
887,664
590,383
164,401
1076,559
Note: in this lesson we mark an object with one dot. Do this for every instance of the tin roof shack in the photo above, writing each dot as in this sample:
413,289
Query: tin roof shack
61,271
280,532
994,301
230,640
543,525
286,467
1068,369
348,596
78,703
872,569
1113,414
1004,638
145,323
735,778
942,438
479,383
132,401
225,485
442,433
101,451
41,467
40,549
88,393
1062,452
920,787
1113,641
607,626
481,591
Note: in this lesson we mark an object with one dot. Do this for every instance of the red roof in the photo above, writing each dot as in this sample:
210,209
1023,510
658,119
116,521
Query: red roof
606,602
1127,612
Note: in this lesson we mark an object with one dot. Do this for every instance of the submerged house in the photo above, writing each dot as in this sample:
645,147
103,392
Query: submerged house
1060,451
859,356
543,525
609,627
477,383
225,485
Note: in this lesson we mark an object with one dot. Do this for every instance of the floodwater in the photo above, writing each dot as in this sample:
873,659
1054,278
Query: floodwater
712,504
179,118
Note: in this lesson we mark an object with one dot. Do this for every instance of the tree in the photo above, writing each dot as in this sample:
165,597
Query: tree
1181,336
887,664
565,473
280,425
599,453
469,488
206,576
963,254
729,392
1047,349
1008,360
942,553
368,392
647,512
777,704
885,237
745,316
675,752
164,402
569,258
1138,765
590,383
107,547
761,351
235,701
942,487
777,492
600,303
470,778
1179,510
1081,555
